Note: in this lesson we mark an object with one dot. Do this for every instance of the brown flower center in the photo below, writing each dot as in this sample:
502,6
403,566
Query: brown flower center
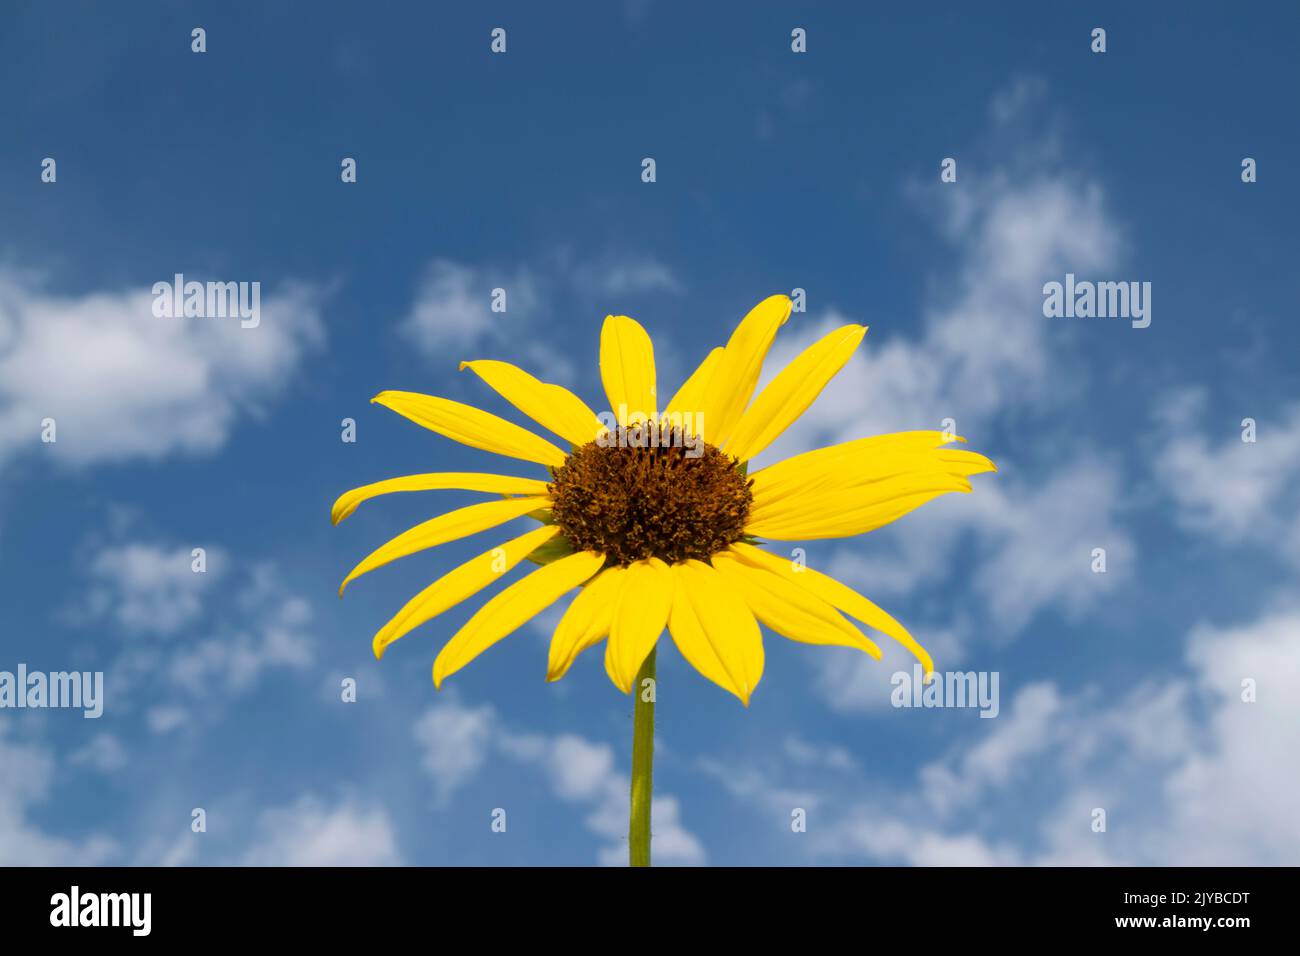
630,496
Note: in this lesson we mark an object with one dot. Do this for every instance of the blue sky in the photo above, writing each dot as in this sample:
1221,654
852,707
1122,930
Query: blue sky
775,170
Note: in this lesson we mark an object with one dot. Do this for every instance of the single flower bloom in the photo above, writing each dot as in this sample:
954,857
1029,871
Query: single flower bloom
652,514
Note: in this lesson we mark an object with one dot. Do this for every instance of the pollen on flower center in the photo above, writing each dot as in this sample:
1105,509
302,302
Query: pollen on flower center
641,493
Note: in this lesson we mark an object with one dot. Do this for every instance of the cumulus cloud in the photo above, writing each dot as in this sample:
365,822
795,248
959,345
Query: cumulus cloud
121,383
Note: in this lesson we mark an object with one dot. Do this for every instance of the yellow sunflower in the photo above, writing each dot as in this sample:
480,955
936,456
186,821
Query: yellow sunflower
651,512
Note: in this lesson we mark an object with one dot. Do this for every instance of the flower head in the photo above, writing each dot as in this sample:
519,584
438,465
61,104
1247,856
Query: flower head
652,514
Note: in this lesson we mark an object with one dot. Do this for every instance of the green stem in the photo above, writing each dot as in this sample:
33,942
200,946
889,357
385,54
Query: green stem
643,755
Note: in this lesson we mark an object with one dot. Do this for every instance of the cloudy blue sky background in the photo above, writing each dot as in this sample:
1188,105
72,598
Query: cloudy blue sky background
775,170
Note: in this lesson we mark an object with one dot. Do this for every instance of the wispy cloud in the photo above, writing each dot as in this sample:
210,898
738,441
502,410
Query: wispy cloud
312,832
29,772
452,311
187,639
1225,488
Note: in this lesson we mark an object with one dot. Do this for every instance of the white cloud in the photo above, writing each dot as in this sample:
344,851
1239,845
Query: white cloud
150,589
1231,799
988,359
1187,771
1033,553
28,775
750,784
827,755
579,769
451,317
995,760
582,771
278,637
453,740
1038,543
457,740
671,843
311,833
452,307
1228,489
986,349
613,277
121,383
104,752
163,720
899,842
849,681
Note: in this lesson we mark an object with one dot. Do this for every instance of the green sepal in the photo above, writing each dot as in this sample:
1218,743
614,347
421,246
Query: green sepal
558,547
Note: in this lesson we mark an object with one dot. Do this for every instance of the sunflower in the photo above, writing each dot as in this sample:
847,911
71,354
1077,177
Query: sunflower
653,516
660,526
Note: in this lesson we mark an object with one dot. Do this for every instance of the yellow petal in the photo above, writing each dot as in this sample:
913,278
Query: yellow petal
627,367
850,511
449,527
458,480
863,461
586,621
836,594
788,395
714,629
471,426
733,381
788,609
639,619
553,407
518,603
683,411
455,586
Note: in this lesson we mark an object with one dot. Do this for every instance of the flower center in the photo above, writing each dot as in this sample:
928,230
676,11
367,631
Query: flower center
639,493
